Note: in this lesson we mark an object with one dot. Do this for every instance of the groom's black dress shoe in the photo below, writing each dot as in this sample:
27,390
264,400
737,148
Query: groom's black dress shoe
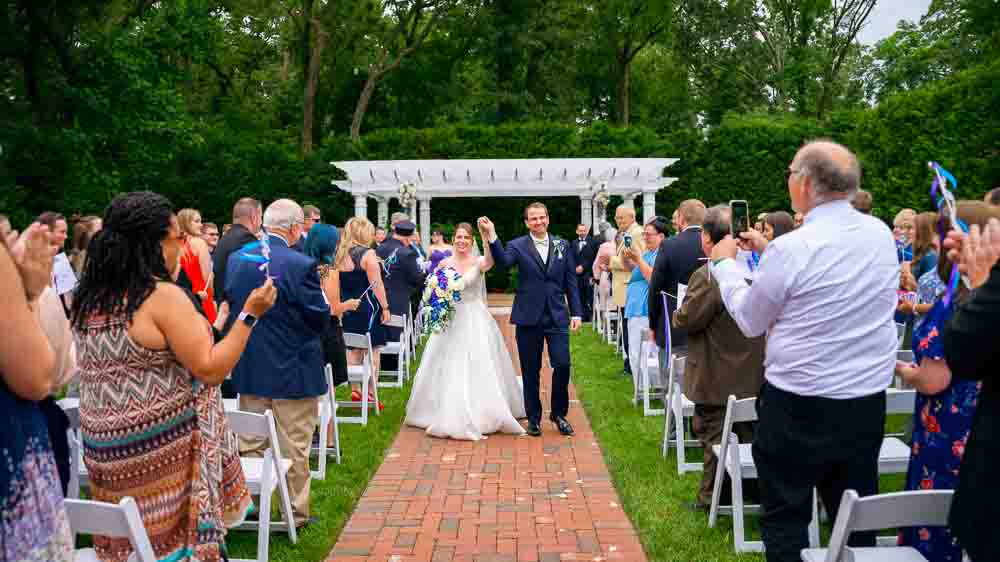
534,430
564,427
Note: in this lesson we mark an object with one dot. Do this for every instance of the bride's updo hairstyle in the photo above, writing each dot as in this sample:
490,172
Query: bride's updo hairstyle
468,230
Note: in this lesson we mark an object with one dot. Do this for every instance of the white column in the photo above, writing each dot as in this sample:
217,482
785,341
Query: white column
361,205
425,221
383,212
648,205
629,200
586,212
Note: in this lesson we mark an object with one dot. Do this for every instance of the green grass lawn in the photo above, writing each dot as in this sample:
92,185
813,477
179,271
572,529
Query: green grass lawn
651,491
333,499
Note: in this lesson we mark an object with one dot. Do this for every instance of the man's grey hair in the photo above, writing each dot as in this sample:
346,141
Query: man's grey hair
833,169
717,223
398,217
283,214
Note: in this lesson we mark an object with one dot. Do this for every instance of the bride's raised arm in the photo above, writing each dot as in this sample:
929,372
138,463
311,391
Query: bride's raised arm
487,263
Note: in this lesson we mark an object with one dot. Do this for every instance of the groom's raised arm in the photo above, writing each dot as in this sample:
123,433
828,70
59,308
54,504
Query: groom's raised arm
504,258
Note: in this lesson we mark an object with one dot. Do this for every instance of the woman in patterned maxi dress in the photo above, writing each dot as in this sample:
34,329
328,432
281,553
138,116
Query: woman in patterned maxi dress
151,413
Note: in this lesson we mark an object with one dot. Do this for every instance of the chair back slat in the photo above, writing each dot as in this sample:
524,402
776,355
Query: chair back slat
396,321
248,424
121,520
904,355
357,341
902,509
744,410
900,401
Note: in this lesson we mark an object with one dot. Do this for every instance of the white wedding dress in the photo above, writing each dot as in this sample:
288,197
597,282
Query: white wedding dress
466,386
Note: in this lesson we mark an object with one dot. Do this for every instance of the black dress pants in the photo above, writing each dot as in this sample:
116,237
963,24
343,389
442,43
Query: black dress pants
805,442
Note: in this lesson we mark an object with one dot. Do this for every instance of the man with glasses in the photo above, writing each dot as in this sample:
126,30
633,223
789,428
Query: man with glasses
311,215
824,295
210,234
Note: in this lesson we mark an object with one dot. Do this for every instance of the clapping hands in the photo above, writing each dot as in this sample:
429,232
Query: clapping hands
33,253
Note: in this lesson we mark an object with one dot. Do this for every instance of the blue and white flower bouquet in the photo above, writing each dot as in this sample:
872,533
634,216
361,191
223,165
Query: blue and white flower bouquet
442,291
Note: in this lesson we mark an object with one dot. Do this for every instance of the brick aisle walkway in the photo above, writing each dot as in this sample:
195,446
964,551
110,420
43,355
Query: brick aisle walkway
504,499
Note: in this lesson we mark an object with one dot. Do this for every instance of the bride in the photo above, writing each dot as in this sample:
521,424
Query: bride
466,386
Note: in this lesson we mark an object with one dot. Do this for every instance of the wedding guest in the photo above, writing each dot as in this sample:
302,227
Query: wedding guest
678,258
721,360
925,258
759,225
55,325
862,202
438,243
970,343
402,278
63,278
83,230
631,233
247,215
944,408
777,224
361,278
799,219
380,235
584,250
322,247
210,234
903,230
397,217
637,290
838,269
605,251
33,523
993,196
195,273
246,226
282,369
151,415
312,216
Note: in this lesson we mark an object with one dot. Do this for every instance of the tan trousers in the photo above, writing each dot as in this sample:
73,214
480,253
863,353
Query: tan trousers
295,421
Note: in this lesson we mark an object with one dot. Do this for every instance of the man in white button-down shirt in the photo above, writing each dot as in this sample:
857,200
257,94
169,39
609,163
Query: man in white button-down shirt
825,295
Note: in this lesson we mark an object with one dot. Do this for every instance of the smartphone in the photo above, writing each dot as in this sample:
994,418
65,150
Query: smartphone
627,240
740,220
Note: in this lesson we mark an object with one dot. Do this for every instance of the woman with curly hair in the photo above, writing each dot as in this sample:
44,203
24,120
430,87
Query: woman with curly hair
151,413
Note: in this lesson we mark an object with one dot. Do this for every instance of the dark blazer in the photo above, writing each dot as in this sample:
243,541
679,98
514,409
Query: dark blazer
284,357
678,258
587,255
540,284
300,246
721,360
971,340
404,278
237,237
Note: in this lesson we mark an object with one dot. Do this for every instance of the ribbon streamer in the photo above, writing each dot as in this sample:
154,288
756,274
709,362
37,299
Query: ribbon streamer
945,201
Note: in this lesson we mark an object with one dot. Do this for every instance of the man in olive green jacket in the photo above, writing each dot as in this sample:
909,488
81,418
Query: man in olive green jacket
721,360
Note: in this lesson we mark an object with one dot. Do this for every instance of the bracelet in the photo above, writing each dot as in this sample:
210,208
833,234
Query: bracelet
718,261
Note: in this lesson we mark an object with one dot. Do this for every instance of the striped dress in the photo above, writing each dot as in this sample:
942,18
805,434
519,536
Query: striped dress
153,432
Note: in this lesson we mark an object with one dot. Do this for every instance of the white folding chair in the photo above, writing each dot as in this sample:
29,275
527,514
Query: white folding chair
117,521
678,410
327,420
264,475
906,356
363,374
900,335
646,378
884,511
78,477
736,460
400,349
596,312
894,455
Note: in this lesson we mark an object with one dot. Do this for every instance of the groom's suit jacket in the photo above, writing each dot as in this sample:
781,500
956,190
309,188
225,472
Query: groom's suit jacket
540,283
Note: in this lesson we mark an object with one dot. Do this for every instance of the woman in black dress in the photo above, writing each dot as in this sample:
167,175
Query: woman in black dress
361,278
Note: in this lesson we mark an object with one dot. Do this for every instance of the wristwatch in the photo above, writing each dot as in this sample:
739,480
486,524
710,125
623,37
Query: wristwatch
249,319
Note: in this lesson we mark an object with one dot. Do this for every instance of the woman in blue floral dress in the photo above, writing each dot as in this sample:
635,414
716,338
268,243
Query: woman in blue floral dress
943,413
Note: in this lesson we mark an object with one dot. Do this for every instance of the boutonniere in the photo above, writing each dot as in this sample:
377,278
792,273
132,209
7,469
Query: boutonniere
559,247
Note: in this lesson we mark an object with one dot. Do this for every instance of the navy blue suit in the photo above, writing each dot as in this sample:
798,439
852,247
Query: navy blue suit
284,357
540,315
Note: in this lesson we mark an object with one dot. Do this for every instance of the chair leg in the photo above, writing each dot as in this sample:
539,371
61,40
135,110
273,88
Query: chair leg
320,473
739,536
375,393
720,464
286,502
364,399
264,509
336,437
667,424
679,431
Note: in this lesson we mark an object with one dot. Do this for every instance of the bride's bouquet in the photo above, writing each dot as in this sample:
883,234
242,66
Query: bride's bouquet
442,291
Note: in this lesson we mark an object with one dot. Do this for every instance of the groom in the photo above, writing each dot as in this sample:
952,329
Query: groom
546,278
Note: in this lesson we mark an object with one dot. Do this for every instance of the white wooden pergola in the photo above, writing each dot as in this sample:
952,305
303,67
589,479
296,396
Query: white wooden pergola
589,179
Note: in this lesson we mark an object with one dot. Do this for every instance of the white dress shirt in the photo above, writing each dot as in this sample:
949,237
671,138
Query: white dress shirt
825,294
542,245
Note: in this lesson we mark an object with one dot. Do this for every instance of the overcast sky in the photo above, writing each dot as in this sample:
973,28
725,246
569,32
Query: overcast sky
887,14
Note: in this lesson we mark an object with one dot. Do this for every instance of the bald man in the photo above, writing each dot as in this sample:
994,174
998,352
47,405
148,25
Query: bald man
824,295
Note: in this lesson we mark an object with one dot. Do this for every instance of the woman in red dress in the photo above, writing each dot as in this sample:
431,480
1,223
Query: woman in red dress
196,262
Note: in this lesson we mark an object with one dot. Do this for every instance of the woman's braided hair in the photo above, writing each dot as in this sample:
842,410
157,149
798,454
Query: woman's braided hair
124,260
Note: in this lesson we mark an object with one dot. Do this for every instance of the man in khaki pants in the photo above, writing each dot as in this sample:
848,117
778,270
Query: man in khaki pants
282,367
628,230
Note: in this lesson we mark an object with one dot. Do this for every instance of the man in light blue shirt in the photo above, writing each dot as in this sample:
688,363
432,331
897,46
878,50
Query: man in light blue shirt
825,295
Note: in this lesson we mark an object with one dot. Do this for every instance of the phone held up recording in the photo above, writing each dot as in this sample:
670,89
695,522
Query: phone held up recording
740,220
627,240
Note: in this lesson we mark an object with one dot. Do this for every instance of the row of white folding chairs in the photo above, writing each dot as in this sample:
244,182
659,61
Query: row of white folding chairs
262,475
647,380
364,375
736,461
